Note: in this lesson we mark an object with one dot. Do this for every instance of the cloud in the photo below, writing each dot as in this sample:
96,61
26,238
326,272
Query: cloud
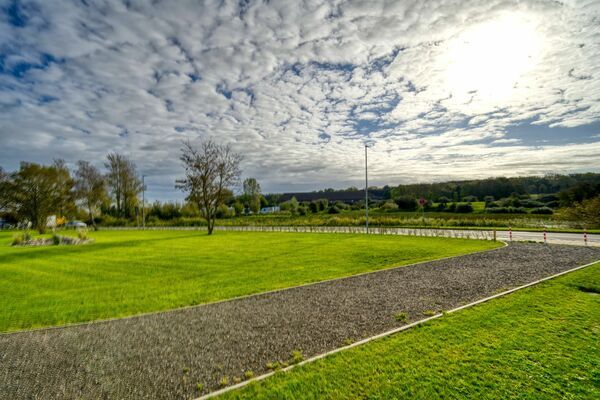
439,86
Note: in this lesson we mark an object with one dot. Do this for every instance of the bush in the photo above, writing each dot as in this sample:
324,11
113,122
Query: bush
56,239
505,210
82,233
389,206
531,204
469,199
463,208
333,210
542,210
407,203
21,237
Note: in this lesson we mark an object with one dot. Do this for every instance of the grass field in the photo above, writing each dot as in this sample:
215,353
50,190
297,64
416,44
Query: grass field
539,343
132,272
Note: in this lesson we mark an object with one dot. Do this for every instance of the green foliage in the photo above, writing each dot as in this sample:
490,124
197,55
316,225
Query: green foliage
38,191
401,317
56,239
542,210
389,206
407,203
21,237
463,208
124,273
296,357
586,213
538,343
82,233
249,374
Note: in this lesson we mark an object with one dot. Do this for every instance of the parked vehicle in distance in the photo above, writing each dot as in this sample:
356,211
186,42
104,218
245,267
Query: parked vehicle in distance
75,224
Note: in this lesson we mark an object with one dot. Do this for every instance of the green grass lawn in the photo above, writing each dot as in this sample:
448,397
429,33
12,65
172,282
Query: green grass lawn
131,272
539,343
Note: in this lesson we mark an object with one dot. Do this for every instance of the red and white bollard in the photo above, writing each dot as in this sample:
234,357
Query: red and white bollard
545,238
510,233
585,236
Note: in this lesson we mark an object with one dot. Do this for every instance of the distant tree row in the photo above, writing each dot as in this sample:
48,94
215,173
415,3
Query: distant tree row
34,192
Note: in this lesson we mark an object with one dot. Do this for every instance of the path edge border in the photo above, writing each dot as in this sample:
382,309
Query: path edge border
391,332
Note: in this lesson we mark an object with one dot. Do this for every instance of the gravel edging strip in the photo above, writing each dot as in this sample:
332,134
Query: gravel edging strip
388,333
150,313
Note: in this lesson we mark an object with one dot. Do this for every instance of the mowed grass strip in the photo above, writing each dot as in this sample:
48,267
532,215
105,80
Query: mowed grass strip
538,343
131,272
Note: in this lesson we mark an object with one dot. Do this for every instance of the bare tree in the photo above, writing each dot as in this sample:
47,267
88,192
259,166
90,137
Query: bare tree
124,184
210,171
5,191
90,187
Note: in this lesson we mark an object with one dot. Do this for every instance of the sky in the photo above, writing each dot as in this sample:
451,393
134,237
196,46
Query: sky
440,89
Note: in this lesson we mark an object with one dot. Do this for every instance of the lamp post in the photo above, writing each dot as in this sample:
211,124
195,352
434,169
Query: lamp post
367,145
143,203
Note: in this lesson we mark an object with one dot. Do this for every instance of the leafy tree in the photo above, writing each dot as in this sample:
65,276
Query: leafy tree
253,194
65,185
587,212
123,182
90,187
211,170
5,191
443,200
407,203
36,193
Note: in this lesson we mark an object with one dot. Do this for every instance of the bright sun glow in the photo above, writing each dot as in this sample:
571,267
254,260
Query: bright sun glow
490,58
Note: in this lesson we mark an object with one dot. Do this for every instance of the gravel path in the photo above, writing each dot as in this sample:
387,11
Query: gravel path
164,355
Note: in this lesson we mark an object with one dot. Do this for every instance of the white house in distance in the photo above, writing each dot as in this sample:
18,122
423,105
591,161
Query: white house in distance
270,210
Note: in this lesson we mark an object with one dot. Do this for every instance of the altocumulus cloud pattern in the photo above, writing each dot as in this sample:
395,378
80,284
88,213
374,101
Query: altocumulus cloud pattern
445,88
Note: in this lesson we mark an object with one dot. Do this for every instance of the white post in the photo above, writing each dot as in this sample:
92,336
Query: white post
366,192
143,203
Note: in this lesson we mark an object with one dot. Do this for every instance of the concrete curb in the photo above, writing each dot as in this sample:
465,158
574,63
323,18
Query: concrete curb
391,332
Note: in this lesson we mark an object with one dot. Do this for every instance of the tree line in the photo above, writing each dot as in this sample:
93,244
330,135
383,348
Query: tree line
34,192
212,173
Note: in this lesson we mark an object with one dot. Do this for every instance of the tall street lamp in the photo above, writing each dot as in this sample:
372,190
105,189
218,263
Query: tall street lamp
367,145
143,203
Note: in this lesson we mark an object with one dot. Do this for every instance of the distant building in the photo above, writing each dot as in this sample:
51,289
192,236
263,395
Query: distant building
270,210
345,196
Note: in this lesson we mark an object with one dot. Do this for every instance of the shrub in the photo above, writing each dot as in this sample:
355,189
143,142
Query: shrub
389,206
542,210
463,208
407,203
199,387
56,239
505,210
401,317
248,374
469,199
297,356
21,237
224,381
82,233
333,210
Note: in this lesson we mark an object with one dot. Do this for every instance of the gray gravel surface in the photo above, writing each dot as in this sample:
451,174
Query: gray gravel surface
164,355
